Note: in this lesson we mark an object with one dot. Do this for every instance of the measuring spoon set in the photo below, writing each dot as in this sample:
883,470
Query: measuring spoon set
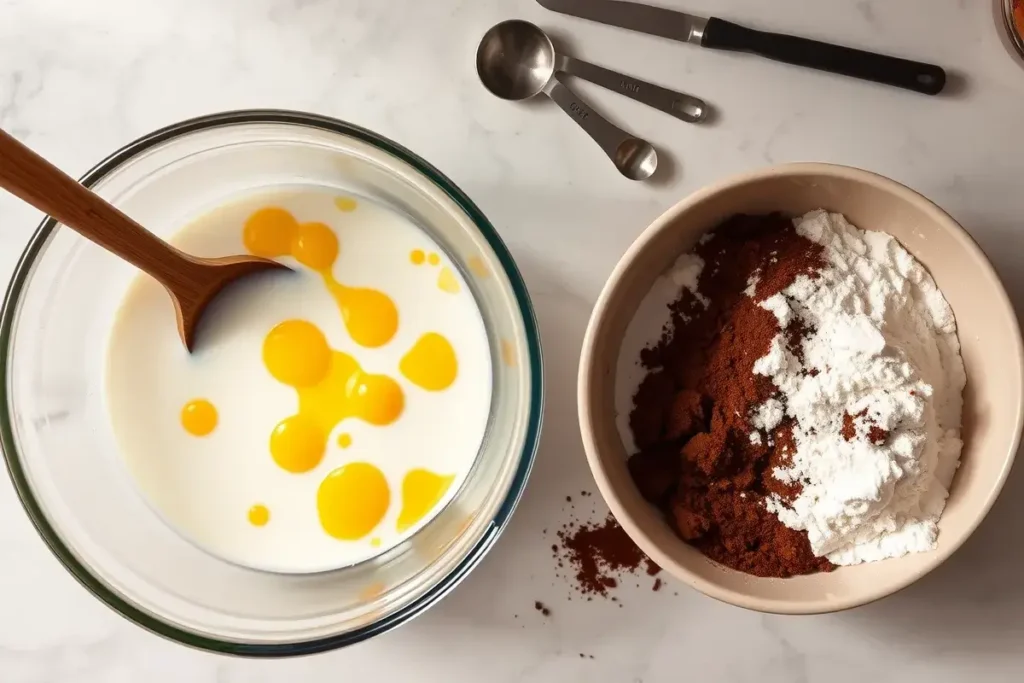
516,60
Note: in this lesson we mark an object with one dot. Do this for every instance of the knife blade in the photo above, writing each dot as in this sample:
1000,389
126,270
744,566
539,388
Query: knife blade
719,34
633,16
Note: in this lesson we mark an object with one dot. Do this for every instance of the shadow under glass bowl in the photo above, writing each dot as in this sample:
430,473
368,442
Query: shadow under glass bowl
61,453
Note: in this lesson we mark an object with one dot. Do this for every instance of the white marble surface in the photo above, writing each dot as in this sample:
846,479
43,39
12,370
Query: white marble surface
78,79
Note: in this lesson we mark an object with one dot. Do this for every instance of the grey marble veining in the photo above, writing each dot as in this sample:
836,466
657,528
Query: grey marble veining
79,79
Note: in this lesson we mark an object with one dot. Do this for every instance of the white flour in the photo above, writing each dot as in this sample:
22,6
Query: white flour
685,273
883,342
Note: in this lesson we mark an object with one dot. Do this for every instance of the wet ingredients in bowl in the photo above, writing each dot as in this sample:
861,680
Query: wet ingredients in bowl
330,413
802,406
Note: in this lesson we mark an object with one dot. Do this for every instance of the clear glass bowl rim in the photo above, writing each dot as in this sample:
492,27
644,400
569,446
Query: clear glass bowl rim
166,629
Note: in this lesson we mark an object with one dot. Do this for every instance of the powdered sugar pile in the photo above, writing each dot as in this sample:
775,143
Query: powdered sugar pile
880,353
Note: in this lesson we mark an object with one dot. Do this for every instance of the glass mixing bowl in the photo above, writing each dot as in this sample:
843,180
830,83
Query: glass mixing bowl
60,449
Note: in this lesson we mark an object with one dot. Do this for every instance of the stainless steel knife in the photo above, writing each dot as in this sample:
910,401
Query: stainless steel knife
719,34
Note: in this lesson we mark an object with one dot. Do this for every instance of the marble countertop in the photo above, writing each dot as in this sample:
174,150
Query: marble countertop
79,79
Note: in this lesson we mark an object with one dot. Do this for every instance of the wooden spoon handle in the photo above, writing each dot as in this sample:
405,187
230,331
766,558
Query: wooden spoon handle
35,180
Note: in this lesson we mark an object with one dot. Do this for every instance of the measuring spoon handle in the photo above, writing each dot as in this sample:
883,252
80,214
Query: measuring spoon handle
35,180
684,107
605,133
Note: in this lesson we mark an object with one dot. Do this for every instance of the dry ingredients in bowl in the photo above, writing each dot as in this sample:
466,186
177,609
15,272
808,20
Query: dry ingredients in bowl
802,406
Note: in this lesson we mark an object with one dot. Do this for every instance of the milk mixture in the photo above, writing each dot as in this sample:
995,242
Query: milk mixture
327,413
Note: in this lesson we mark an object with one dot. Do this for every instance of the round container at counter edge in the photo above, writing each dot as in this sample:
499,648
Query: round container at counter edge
62,459
1009,15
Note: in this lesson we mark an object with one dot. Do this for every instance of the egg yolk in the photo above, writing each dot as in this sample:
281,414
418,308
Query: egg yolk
345,440
296,353
433,259
259,515
352,500
369,315
430,364
315,245
268,232
345,204
421,491
416,256
447,282
297,444
199,417
331,387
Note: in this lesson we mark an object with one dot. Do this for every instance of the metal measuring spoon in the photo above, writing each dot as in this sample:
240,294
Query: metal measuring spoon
516,61
684,107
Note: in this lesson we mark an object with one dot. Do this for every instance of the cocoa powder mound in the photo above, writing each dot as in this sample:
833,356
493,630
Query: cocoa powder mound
691,413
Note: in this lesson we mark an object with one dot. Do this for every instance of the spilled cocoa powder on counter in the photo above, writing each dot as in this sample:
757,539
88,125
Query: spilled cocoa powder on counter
691,417
600,555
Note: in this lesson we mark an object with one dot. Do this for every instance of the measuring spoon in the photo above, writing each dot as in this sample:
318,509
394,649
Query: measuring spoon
516,61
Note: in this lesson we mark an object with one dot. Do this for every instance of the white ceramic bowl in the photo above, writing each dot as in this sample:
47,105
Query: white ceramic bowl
59,445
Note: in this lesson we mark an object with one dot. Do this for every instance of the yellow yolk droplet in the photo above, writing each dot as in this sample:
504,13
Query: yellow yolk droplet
417,256
297,444
269,232
374,542
421,491
345,440
259,515
369,315
430,363
346,204
348,391
199,417
447,282
315,245
352,500
296,353
331,387
433,259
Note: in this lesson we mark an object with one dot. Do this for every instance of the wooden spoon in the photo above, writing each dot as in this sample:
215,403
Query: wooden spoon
191,281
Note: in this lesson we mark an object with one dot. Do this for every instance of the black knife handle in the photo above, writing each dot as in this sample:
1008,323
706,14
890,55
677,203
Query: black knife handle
902,73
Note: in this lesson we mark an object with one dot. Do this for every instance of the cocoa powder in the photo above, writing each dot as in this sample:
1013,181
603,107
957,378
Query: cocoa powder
875,434
691,414
600,554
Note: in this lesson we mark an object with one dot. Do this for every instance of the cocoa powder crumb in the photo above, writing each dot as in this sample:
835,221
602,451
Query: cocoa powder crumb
849,429
542,608
691,414
875,434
